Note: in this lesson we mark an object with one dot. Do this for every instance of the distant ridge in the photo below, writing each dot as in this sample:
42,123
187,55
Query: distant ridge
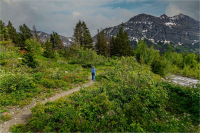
178,29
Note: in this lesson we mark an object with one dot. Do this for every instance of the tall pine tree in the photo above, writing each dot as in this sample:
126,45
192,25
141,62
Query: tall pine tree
12,32
3,31
101,44
25,33
121,45
56,42
82,35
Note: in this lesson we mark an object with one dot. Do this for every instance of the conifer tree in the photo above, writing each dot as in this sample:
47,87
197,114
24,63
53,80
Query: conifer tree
29,57
25,33
82,35
48,52
121,46
111,46
56,42
103,45
35,35
98,43
12,32
87,39
4,31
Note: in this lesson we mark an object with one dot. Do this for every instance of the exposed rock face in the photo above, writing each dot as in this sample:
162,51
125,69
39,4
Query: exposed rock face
67,41
179,28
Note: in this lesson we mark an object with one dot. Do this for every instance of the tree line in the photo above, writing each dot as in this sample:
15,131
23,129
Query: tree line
114,46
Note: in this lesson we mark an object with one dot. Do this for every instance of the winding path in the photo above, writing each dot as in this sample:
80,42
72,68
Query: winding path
21,115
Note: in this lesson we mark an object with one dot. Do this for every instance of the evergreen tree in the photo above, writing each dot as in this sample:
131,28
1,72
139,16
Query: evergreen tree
4,31
25,33
87,39
104,45
35,35
82,35
111,46
29,56
56,42
98,43
101,44
121,47
12,32
48,52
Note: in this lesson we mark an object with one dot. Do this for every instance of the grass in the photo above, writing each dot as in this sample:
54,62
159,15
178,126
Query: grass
140,103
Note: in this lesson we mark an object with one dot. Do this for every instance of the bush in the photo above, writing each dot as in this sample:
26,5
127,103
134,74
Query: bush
48,83
157,67
12,83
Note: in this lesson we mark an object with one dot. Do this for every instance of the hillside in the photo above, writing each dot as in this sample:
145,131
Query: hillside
177,29
127,96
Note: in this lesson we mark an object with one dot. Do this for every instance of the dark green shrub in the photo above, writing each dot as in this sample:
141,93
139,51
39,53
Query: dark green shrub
48,83
157,67
86,65
12,83
37,77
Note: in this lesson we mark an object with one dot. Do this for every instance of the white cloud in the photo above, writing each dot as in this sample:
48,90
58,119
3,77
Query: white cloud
62,15
172,10
190,8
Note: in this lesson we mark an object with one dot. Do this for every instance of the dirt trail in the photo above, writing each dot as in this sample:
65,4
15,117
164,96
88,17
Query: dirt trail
21,115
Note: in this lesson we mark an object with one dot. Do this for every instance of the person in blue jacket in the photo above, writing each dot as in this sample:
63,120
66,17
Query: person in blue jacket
93,73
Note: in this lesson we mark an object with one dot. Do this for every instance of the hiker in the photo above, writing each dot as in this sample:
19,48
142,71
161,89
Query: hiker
93,73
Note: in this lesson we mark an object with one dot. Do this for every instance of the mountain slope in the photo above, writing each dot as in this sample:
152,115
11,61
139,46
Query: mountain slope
67,41
179,29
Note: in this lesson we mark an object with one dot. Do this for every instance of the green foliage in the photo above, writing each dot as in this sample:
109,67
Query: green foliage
158,67
120,45
5,117
4,31
24,34
82,35
56,42
48,52
101,44
13,83
12,32
127,98
32,48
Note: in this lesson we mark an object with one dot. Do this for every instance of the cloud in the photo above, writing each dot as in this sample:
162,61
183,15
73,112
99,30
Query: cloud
61,16
190,8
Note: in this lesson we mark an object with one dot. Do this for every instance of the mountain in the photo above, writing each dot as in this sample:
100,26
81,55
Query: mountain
67,41
178,29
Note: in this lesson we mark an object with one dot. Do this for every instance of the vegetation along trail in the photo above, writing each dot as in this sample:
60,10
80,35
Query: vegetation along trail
21,115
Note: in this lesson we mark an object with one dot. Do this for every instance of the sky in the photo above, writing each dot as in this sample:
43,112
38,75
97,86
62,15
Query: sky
62,16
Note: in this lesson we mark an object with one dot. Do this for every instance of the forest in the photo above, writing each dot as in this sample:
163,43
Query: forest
129,94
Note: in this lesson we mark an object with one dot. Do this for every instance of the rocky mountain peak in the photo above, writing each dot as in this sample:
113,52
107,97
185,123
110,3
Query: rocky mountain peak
178,29
164,16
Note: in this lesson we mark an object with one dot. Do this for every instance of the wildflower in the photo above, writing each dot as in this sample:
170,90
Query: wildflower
47,76
19,58
69,80
66,71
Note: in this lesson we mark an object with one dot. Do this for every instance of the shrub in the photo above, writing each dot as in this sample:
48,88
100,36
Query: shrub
12,83
48,83
157,67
